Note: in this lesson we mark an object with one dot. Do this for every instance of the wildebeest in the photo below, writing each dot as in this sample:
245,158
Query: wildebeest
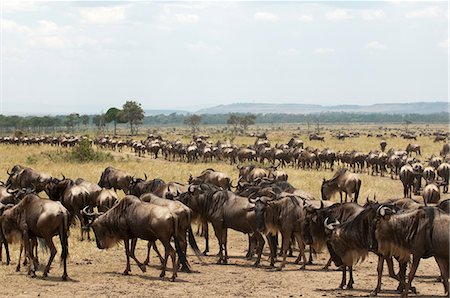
407,177
106,199
116,179
413,148
284,215
314,232
444,172
210,176
342,181
421,233
431,194
131,219
22,177
34,217
224,210
74,197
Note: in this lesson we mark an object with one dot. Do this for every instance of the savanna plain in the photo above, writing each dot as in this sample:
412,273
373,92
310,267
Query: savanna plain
94,272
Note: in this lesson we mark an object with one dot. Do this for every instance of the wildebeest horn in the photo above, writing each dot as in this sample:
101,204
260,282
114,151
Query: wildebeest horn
63,177
189,189
321,204
251,200
2,183
88,214
8,172
330,226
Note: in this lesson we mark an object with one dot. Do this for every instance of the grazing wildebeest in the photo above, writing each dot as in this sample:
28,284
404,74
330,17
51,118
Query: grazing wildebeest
116,179
223,209
210,176
284,215
21,177
407,177
444,172
383,145
131,219
342,181
423,233
413,148
34,217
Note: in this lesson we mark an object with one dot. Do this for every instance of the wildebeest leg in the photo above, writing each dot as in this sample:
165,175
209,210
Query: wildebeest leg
127,254
344,277
328,264
250,250
20,256
273,248
206,231
443,267
132,255
284,247
310,259
380,275
51,246
29,253
412,273
340,193
301,246
218,231
149,247
260,242
350,281
224,243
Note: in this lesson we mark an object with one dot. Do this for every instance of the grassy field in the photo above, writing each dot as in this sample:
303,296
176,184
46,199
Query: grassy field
95,272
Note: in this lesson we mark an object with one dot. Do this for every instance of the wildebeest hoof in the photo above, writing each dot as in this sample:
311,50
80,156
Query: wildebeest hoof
162,274
349,286
279,268
172,278
205,253
126,272
374,293
143,268
64,277
185,269
310,263
325,268
303,267
146,262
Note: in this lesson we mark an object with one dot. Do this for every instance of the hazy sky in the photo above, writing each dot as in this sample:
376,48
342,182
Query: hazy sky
75,56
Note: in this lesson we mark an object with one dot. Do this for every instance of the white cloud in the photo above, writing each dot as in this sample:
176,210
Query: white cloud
186,18
15,5
103,15
444,44
306,18
203,47
12,26
372,15
266,16
432,12
376,45
289,52
324,50
339,15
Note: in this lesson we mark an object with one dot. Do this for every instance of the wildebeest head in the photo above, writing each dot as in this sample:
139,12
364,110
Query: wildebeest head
311,224
103,235
326,190
56,187
261,211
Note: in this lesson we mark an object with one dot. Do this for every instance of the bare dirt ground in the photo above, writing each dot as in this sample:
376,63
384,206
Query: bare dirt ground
95,272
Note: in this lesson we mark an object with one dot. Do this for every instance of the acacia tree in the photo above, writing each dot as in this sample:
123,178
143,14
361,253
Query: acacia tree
233,121
114,115
193,121
132,113
247,120
85,120
72,120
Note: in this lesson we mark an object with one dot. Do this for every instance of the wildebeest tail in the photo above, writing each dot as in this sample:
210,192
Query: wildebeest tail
176,238
193,244
64,237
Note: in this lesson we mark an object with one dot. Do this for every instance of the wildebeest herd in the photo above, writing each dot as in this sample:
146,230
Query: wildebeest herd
262,204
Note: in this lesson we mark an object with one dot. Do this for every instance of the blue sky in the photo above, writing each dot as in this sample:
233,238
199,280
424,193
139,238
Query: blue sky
78,56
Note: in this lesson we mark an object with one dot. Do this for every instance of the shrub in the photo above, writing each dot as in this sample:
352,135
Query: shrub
83,152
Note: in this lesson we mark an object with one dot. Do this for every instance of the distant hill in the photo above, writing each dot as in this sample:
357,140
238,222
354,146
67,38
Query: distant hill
390,108
164,112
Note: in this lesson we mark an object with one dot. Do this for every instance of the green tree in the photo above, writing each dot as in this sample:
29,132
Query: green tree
193,121
132,113
233,120
114,115
85,120
247,120
72,120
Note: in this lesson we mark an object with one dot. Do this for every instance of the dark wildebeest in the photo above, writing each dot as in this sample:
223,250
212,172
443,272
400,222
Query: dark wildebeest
429,174
314,232
445,150
444,172
131,219
140,186
444,205
21,177
116,179
184,215
72,196
342,181
34,217
413,148
284,215
383,145
423,233
407,177
210,176
431,194
106,199
224,210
